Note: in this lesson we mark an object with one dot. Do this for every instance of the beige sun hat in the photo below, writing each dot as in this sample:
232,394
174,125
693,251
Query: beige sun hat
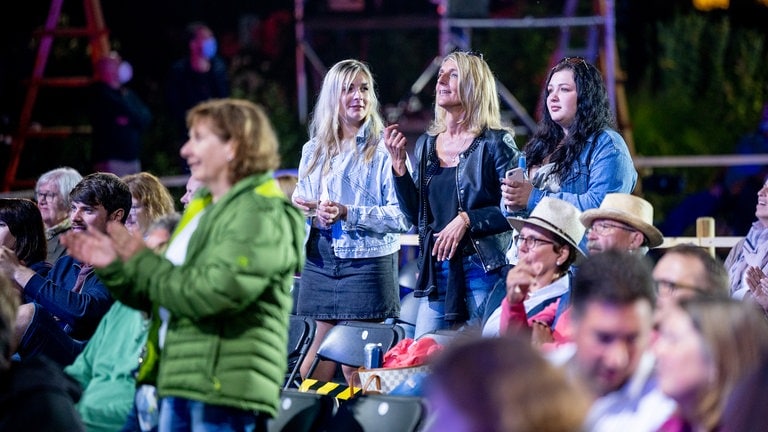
629,209
558,217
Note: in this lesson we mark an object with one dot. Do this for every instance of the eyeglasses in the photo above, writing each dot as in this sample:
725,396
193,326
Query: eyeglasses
673,287
531,242
47,196
604,228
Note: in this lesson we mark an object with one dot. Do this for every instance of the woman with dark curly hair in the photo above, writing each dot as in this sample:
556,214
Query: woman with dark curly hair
576,154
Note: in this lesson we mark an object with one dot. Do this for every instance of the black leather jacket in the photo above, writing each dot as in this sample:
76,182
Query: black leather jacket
480,167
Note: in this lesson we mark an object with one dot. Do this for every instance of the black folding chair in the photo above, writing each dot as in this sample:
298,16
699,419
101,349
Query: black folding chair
302,412
379,413
345,342
301,333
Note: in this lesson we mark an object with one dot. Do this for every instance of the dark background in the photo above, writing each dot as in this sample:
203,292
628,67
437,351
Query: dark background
257,39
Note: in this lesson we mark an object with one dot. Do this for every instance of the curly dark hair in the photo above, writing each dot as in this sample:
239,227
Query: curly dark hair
593,114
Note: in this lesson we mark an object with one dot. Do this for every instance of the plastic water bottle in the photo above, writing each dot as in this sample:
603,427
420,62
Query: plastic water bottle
521,163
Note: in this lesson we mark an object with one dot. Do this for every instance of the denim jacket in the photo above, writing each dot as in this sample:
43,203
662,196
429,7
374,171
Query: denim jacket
477,181
374,219
605,166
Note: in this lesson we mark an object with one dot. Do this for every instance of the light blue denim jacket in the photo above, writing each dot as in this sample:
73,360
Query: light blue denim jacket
603,167
374,219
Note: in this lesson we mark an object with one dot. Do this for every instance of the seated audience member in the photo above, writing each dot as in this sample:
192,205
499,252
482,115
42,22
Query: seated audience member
144,414
546,247
106,367
150,199
71,300
52,194
751,252
623,222
704,347
686,271
34,394
23,233
501,384
612,319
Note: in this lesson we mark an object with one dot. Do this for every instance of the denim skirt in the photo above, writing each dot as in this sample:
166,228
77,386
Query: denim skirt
333,288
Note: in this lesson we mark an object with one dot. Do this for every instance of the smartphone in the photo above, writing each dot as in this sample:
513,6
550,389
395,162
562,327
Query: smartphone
515,174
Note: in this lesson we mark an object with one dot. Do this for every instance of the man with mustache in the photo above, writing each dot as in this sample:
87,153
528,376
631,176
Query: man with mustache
60,313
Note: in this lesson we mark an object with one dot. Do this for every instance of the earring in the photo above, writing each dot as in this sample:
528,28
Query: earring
229,158
558,262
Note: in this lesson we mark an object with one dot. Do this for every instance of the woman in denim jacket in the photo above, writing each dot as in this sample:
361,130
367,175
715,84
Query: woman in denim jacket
453,194
353,219
576,155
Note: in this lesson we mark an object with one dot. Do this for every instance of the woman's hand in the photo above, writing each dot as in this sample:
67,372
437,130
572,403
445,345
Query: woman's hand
447,240
520,280
330,212
515,193
396,143
308,206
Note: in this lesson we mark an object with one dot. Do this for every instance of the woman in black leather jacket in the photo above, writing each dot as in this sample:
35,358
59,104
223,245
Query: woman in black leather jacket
452,193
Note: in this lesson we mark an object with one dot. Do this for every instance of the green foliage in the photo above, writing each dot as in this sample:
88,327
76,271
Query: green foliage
711,83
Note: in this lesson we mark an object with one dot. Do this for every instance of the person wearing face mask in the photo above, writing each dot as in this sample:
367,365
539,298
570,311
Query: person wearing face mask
197,77
118,118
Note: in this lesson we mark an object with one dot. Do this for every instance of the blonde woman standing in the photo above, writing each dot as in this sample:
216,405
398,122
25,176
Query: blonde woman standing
352,215
453,193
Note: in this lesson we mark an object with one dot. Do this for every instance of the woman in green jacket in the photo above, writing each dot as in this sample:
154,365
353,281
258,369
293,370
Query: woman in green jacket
224,280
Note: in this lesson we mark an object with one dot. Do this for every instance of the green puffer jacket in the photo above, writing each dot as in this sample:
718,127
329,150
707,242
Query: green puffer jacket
229,301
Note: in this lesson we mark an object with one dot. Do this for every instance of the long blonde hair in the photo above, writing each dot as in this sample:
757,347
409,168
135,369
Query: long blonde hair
477,94
325,127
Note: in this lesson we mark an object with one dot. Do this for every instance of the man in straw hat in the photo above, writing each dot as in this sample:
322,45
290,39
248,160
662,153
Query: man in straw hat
623,222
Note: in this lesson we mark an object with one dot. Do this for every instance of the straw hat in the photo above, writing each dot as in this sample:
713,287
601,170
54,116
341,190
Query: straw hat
556,216
629,209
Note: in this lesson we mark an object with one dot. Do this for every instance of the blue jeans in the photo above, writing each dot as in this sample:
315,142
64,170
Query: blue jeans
431,315
185,415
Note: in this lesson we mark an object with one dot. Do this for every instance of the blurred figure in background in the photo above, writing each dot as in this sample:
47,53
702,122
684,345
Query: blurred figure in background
118,118
52,194
501,385
150,199
705,346
34,394
197,77
613,299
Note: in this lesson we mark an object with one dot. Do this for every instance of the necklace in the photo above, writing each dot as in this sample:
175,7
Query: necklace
453,159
